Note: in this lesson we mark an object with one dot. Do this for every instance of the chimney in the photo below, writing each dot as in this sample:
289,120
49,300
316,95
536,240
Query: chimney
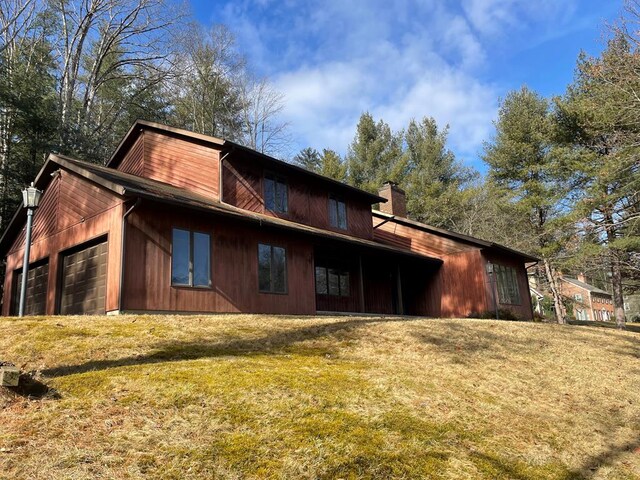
396,199
582,278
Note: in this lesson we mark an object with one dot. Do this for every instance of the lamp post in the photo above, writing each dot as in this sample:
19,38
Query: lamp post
31,197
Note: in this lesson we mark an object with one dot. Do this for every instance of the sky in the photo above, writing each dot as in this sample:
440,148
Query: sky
407,59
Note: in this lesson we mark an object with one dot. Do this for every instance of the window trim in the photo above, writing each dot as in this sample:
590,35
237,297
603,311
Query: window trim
286,270
190,285
276,178
338,199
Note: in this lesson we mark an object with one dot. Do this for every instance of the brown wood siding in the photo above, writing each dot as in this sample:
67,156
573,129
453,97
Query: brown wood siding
410,238
84,281
308,201
524,309
94,213
133,161
181,163
36,294
234,266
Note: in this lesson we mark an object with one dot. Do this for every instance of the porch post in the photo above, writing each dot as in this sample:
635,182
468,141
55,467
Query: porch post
399,286
361,282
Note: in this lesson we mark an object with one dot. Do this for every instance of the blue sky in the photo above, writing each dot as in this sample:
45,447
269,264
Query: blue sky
403,59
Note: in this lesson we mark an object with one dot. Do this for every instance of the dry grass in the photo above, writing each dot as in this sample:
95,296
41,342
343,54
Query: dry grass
277,397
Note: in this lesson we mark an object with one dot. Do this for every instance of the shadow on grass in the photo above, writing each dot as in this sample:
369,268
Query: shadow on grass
608,457
268,344
629,327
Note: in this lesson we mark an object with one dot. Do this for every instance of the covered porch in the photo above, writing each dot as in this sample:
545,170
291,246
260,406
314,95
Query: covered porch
351,279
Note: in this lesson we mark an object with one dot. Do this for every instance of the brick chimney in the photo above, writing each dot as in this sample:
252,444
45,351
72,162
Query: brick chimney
582,278
396,199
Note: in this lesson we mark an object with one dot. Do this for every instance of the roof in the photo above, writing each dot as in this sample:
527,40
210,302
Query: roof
484,244
229,147
128,185
586,286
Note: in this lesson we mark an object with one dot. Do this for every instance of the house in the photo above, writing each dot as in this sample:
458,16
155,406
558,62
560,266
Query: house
182,222
589,302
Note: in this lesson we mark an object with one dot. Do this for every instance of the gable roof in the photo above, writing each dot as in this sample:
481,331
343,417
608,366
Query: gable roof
229,147
128,185
477,242
586,286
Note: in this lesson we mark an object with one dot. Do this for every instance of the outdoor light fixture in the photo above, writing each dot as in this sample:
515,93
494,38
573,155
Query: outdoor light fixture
31,198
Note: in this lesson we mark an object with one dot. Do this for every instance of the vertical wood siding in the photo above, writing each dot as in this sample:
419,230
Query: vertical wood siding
308,201
181,163
234,266
133,161
82,211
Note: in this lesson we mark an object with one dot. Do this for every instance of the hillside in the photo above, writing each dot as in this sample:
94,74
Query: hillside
281,397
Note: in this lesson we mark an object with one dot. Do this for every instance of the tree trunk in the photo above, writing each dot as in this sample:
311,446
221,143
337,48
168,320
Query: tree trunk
558,304
618,299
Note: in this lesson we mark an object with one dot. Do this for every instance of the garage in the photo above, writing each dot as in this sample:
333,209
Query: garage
36,295
84,281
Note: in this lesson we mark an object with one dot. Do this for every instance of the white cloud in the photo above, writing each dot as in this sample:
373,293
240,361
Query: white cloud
398,59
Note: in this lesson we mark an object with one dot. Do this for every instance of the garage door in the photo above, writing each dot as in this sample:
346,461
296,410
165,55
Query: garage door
37,279
84,281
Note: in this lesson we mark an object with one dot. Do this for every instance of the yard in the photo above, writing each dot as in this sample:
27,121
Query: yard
250,396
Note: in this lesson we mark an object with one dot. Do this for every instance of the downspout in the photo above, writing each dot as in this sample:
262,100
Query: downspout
123,238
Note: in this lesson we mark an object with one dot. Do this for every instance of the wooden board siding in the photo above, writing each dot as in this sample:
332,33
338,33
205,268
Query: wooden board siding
460,286
89,213
133,161
410,238
234,257
181,163
308,201
524,310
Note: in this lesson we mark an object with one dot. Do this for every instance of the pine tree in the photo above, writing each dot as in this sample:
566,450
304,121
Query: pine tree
521,159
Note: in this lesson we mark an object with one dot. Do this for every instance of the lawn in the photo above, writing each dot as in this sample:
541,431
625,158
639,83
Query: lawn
249,396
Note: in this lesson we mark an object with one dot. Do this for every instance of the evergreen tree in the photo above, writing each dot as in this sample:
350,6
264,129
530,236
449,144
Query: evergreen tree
435,180
375,155
333,166
599,121
521,159
309,158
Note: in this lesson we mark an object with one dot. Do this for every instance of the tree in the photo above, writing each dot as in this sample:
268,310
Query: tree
262,129
599,121
101,43
207,91
310,159
521,159
375,155
27,104
434,179
333,166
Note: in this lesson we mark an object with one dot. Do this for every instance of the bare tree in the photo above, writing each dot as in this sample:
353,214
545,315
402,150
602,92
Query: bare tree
262,128
103,41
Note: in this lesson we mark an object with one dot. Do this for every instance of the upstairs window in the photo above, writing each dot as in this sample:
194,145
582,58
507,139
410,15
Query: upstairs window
275,193
272,269
332,281
507,283
578,297
190,259
337,212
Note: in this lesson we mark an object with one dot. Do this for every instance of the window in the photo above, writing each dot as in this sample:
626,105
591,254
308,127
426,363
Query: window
332,281
275,193
190,259
507,283
337,213
578,297
272,269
